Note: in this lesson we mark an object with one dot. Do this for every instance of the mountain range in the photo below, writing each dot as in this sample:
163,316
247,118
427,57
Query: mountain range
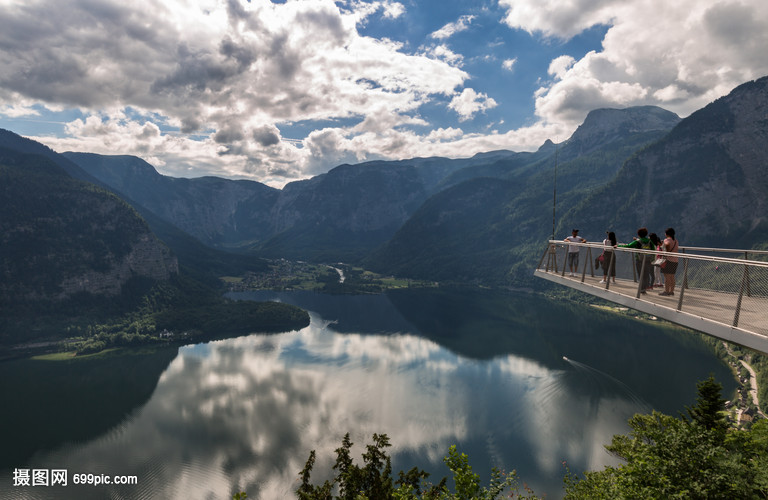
488,228
482,219
352,210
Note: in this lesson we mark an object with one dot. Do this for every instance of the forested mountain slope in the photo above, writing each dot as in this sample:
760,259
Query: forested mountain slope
60,236
489,229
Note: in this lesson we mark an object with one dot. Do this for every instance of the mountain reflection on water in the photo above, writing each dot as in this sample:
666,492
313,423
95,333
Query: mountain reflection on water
429,368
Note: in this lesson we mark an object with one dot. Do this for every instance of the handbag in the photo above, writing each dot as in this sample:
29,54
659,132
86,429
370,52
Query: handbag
660,261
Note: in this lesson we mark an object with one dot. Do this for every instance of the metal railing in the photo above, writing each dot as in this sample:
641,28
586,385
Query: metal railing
731,290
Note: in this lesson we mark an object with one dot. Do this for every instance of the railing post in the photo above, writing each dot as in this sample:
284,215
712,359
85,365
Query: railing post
640,281
553,256
611,269
684,284
565,261
541,261
591,267
633,256
744,285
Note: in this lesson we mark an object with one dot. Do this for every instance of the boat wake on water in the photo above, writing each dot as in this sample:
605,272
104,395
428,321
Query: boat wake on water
607,383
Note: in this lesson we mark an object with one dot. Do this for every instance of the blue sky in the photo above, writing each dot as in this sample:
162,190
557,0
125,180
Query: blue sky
279,91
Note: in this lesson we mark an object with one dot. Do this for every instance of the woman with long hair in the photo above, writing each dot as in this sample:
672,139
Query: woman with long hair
608,259
669,246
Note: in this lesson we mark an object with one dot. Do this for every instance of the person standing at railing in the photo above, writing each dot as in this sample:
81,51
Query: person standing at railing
573,250
608,260
670,265
644,272
656,275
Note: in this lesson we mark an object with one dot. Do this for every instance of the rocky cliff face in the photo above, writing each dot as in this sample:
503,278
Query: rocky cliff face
60,236
343,214
218,212
603,126
359,198
147,258
351,207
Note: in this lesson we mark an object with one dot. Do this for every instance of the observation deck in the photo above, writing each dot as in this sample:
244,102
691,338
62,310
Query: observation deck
720,292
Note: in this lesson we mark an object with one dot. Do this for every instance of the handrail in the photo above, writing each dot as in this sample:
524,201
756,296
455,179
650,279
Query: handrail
686,249
725,250
686,255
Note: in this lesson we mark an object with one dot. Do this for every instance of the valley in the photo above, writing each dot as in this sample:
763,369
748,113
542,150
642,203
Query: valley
473,221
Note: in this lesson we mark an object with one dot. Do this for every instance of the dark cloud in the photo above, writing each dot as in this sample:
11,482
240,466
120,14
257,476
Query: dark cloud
55,75
284,173
195,71
266,136
190,124
323,21
149,131
236,11
228,136
739,29
244,56
732,23
283,57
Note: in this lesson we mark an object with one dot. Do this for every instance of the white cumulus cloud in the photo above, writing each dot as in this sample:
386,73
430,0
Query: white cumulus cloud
451,29
470,102
281,91
678,55
225,74
509,64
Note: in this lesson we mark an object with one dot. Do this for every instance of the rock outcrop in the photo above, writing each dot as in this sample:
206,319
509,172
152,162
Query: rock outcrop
148,258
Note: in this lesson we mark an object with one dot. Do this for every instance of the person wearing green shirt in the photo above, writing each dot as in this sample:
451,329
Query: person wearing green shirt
642,242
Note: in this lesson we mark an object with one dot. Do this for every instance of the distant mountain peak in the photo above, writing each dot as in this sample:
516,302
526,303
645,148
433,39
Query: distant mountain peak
647,117
499,153
547,146
606,125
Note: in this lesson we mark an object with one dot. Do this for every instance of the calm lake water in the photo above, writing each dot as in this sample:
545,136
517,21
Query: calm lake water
430,368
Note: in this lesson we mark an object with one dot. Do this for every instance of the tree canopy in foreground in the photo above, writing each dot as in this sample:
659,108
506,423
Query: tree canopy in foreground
693,456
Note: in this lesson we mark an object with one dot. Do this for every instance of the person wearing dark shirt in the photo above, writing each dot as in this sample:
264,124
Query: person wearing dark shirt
670,266
642,242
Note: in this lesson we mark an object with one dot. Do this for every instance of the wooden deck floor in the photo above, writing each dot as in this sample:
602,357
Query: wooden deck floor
704,310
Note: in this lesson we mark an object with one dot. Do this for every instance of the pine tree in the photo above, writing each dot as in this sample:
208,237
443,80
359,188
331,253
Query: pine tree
709,407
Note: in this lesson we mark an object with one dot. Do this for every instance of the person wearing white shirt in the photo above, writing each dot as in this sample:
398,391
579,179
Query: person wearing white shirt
573,250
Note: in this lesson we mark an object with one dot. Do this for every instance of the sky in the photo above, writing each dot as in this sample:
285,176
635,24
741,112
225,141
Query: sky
277,91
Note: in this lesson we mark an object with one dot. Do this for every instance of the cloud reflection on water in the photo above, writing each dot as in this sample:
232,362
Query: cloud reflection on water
243,414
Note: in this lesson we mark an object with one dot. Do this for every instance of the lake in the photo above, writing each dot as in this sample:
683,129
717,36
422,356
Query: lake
515,380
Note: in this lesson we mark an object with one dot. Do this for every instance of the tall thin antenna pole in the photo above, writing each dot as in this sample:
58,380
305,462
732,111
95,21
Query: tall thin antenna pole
554,196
